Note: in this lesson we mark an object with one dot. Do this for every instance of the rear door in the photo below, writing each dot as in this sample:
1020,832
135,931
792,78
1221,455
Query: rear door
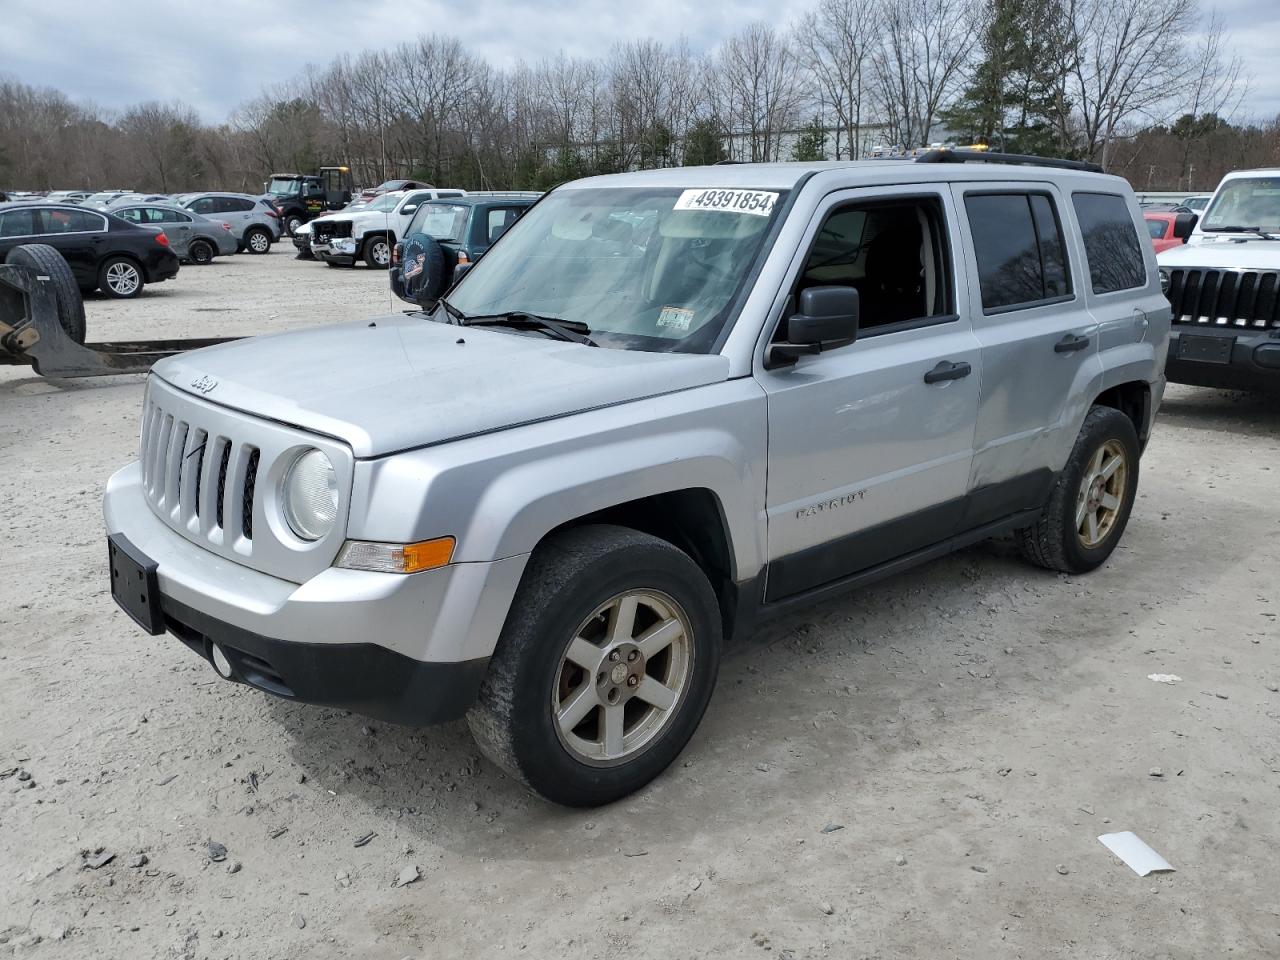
1038,338
870,445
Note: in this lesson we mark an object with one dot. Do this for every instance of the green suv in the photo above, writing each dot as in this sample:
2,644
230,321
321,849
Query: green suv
446,235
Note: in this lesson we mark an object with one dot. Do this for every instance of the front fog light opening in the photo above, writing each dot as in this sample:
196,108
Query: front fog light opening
220,661
310,496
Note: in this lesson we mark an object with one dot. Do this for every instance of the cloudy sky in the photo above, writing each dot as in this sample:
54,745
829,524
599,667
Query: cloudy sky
215,55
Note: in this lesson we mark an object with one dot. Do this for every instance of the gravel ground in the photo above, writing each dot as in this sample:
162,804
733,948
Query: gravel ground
920,769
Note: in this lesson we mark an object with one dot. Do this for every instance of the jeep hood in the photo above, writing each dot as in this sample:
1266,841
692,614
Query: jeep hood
1223,253
399,382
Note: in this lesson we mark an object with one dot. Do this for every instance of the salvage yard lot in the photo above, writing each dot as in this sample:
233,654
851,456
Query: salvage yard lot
919,769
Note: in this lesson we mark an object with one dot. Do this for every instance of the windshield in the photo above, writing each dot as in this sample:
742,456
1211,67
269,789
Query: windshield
387,201
284,187
1246,202
440,221
644,268
102,197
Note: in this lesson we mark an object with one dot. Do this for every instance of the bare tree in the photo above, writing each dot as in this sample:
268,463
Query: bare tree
763,89
921,63
836,40
1129,57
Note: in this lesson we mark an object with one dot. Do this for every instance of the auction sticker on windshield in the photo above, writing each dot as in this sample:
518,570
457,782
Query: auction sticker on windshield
757,202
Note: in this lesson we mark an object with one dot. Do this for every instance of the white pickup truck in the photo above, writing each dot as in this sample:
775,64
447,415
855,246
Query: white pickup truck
371,231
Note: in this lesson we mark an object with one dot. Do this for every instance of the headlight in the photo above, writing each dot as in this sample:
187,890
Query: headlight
311,496
1164,281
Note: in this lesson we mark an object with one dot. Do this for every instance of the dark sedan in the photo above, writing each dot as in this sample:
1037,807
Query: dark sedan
104,252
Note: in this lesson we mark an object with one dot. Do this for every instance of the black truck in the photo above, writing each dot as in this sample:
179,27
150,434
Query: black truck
302,196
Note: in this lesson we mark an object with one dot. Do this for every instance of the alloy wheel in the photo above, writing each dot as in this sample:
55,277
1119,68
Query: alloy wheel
1101,493
123,279
622,677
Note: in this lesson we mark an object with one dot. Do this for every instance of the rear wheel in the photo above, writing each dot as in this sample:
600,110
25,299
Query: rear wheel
604,668
257,240
200,252
120,278
1090,505
48,262
292,223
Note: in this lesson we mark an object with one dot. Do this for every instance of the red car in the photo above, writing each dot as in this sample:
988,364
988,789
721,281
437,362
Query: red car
372,193
1169,229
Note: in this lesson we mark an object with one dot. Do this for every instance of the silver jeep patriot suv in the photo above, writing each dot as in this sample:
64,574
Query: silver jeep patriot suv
663,405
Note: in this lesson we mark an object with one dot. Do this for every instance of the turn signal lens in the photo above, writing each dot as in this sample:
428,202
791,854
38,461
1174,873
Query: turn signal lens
396,557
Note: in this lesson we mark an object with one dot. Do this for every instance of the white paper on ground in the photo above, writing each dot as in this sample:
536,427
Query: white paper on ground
1164,677
1140,858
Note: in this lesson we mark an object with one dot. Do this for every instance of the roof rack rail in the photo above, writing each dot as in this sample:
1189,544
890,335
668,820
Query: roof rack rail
984,156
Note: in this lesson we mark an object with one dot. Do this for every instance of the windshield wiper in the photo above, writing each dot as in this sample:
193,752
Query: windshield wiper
452,311
575,331
1232,228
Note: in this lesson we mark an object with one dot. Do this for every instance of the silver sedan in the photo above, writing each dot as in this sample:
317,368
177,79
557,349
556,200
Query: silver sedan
194,238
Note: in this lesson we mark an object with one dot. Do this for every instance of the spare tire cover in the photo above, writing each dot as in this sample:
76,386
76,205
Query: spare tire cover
420,277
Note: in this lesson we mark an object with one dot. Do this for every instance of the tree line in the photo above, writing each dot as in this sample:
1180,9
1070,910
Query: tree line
1145,87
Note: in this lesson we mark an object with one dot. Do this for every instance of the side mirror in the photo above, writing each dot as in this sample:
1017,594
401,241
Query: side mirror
1183,224
409,208
461,270
827,319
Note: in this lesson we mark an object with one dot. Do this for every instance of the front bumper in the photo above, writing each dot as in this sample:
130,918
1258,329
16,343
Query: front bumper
341,250
1239,359
405,648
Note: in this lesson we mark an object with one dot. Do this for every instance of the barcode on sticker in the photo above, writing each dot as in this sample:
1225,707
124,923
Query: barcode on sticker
758,202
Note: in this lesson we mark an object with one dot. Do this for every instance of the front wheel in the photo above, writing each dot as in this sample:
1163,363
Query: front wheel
1090,505
120,278
292,223
377,253
604,668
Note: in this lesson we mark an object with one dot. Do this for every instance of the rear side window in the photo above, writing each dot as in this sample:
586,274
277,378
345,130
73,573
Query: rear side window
71,221
1021,256
234,205
203,205
1110,242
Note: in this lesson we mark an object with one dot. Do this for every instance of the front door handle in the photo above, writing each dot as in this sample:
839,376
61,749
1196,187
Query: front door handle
1070,344
946,370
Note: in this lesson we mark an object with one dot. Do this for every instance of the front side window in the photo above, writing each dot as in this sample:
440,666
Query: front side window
1111,242
20,223
1244,204
1156,228
645,268
1021,256
893,252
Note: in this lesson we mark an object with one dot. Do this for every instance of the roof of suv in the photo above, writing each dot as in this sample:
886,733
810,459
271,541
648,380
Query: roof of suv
785,176
475,199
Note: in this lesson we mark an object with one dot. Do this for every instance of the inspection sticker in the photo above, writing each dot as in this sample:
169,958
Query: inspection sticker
758,202
677,318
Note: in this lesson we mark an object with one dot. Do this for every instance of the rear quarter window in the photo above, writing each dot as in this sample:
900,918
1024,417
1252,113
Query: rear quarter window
1111,244
1017,240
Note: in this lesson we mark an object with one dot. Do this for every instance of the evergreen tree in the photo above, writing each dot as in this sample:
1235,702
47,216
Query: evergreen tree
812,143
1010,102
703,144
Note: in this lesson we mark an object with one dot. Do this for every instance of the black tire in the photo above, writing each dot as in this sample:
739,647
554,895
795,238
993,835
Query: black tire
1055,540
377,251
330,263
200,252
292,222
420,277
48,262
130,282
569,576
257,240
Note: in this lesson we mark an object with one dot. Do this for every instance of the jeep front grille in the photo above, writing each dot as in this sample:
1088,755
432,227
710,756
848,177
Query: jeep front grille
212,474
1225,298
186,473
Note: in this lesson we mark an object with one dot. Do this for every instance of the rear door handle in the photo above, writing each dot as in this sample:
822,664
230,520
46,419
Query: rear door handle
1070,344
946,370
